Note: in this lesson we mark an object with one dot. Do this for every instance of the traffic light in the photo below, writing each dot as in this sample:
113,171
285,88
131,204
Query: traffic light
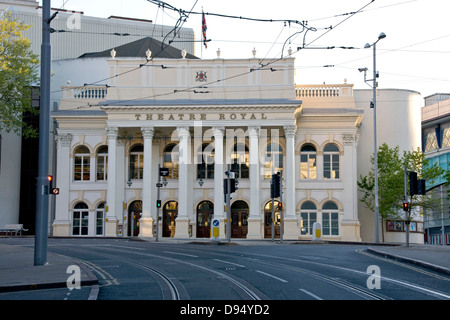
275,186
405,206
52,190
158,204
413,188
280,206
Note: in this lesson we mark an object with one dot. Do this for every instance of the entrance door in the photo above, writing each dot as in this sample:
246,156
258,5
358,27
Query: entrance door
205,213
239,215
170,213
268,220
134,215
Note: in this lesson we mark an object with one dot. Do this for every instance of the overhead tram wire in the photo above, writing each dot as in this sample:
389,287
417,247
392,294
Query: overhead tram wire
261,67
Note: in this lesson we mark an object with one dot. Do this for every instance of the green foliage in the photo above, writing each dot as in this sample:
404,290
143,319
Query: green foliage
18,72
391,181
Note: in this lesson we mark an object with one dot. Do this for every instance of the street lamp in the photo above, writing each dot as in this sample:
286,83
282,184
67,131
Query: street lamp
374,106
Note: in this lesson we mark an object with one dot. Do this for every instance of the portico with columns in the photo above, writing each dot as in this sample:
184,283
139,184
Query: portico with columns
253,124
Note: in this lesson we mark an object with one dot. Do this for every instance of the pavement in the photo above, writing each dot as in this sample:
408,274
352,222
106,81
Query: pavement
18,273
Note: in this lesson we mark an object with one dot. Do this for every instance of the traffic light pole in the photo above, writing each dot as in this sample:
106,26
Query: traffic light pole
227,200
42,183
281,201
409,208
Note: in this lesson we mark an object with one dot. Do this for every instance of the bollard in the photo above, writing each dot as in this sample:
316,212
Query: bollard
317,231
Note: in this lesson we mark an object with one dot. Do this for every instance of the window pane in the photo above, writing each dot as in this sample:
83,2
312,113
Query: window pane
326,166
326,223
77,169
86,166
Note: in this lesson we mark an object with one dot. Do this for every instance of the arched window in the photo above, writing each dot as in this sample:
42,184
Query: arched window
82,164
331,161
308,162
102,163
171,157
273,159
80,221
308,213
330,219
137,162
240,161
100,219
205,162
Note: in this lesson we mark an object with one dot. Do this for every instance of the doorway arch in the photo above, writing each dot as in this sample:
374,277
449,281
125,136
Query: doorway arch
268,219
239,216
170,213
205,213
134,215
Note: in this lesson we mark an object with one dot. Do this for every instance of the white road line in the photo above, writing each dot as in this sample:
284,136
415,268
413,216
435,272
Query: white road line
235,264
181,254
311,294
270,275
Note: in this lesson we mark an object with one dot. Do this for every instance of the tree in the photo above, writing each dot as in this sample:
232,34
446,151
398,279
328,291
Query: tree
391,175
18,72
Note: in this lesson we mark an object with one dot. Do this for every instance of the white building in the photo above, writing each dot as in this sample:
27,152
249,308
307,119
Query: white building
196,117
83,34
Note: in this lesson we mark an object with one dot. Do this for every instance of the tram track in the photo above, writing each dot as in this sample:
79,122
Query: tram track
177,290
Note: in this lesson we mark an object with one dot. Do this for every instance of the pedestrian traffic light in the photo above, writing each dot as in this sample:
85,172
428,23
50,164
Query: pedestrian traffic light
405,206
158,204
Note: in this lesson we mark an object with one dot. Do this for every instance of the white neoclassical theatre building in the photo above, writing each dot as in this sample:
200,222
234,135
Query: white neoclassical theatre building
198,118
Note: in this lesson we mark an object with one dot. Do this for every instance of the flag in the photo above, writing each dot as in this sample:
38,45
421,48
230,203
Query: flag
204,28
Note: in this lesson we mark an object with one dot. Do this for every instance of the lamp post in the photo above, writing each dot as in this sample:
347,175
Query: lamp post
374,106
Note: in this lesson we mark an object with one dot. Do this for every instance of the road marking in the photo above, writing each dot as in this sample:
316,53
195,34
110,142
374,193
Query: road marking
311,294
270,275
404,265
181,254
235,264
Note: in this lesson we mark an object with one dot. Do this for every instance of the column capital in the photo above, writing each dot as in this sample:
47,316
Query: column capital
65,140
289,131
147,132
112,132
350,139
253,131
218,132
183,132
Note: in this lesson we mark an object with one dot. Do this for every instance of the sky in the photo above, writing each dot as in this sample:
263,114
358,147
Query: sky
415,54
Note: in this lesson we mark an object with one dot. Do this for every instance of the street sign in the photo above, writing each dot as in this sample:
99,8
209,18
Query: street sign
163,172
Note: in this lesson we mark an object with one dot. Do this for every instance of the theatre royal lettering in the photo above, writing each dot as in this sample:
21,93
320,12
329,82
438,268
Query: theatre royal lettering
201,116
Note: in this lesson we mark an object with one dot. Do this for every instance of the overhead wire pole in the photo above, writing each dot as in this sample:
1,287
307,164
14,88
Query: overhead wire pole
42,183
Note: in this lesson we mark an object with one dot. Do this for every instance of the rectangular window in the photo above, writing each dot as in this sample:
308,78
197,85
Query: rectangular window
99,223
330,222
136,166
308,166
102,167
308,220
331,166
82,167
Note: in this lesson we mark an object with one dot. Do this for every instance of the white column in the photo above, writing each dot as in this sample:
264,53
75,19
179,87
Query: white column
350,227
61,224
111,210
291,229
146,221
218,178
254,220
182,221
